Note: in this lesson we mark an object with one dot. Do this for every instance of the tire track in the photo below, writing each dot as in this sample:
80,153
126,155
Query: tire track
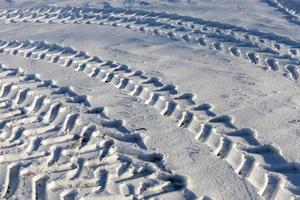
255,46
261,165
286,8
57,147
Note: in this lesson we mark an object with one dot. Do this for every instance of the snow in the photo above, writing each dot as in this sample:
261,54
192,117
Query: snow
190,99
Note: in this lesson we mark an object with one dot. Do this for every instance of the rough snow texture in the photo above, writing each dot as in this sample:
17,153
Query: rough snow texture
149,100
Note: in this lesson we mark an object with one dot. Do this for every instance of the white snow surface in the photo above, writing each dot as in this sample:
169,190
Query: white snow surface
140,99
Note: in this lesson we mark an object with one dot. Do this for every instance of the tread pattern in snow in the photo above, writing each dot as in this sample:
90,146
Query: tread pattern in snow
262,165
289,9
271,51
54,146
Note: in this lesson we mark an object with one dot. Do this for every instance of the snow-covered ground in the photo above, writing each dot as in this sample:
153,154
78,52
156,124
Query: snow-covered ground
140,99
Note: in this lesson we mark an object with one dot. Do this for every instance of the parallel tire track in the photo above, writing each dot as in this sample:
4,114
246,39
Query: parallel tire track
268,50
54,146
260,164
